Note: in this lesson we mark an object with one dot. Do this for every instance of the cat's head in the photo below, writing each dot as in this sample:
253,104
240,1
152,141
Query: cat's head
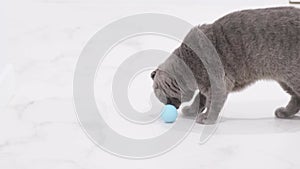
166,88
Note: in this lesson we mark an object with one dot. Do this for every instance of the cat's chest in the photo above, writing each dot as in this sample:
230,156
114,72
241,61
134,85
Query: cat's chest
239,85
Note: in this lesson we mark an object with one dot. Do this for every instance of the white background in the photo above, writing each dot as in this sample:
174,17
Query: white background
39,129
3,39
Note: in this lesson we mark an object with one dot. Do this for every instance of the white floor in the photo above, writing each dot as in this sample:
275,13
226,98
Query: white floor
39,128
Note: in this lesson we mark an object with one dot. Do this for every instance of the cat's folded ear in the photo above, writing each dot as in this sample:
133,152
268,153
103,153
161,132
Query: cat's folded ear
153,74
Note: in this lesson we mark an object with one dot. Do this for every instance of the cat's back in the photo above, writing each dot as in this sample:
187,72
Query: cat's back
260,19
260,40
260,25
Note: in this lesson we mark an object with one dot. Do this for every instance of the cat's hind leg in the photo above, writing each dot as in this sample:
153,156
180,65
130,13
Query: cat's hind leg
293,106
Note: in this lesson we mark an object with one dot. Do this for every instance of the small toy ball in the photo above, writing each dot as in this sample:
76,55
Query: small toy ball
169,113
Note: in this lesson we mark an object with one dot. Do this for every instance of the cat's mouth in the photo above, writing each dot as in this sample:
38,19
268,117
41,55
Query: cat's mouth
174,101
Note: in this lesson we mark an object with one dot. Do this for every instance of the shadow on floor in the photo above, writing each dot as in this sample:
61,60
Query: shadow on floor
251,126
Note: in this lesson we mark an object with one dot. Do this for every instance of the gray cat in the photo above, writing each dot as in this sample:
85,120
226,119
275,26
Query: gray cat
252,45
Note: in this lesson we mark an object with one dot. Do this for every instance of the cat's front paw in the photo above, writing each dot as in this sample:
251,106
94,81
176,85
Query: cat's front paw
203,119
189,111
282,113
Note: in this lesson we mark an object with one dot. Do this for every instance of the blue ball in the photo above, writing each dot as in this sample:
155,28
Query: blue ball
169,113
